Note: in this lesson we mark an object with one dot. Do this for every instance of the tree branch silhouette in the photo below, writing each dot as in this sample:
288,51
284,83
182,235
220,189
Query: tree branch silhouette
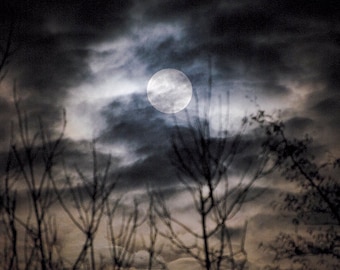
31,161
204,159
89,194
318,185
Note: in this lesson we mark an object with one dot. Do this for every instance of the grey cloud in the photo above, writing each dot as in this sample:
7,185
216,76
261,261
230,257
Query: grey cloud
155,170
258,42
5,108
168,10
53,41
253,41
299,125
262,44
135,121
327,111
327,106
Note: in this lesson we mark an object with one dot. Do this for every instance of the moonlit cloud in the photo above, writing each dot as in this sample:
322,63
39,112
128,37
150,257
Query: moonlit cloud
94,58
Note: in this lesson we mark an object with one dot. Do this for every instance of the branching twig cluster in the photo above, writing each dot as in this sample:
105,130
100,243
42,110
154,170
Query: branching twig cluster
204,160
316,204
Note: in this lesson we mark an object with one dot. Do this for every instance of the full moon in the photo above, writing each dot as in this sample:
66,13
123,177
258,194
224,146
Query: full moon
169,90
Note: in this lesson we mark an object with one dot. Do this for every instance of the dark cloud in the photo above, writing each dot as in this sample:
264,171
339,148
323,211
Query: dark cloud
54,71
53,39
261,44
260,41
167,11
147,133
309,9
132,122
135,122
98,18
155,170
284,52
257,41
327,107
299,125
5,108
327,112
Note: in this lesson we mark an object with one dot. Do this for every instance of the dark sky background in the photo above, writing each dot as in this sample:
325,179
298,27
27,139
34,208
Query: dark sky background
94,58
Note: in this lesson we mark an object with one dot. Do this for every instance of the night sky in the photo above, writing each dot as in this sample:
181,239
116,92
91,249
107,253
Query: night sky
94,59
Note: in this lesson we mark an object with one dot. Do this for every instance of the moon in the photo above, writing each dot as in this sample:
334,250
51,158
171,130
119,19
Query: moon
169,90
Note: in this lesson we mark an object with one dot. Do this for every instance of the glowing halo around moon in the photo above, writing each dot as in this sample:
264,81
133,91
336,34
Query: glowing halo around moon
169,90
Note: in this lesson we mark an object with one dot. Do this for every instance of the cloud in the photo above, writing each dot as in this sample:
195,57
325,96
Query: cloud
327,107
145,133
255,45
5,107
299,126
326,116
54,41
141,260
133,120
185,263
95,58
155,170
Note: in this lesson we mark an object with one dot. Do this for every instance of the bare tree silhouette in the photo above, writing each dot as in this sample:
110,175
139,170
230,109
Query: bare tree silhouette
316,205
89,194
204,160
151,244
33,157
9,258
122,237
7,47
8,208
30,163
